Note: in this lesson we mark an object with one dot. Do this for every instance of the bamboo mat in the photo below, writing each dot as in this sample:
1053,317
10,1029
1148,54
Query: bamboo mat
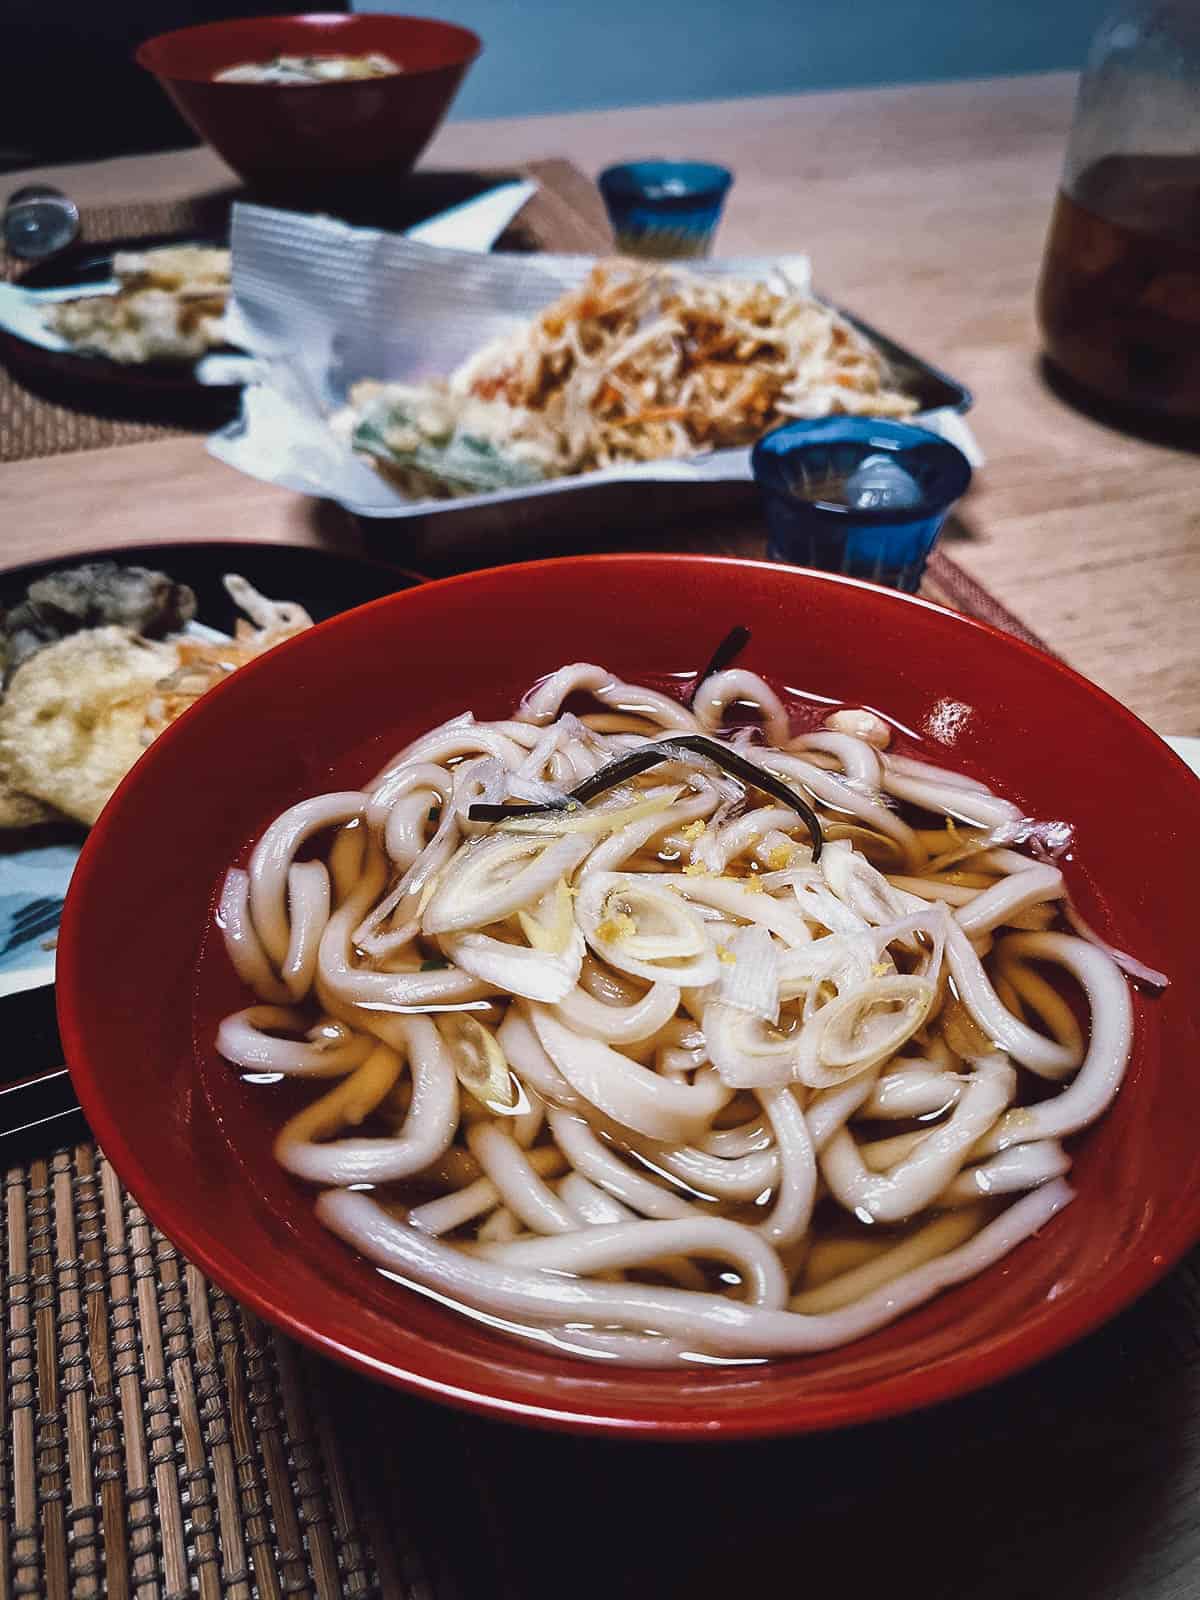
162,1442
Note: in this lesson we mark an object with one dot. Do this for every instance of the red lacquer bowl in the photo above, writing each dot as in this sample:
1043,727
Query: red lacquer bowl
193,1143
301,142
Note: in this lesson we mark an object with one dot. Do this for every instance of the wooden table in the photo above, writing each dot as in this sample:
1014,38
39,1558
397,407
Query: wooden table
924,209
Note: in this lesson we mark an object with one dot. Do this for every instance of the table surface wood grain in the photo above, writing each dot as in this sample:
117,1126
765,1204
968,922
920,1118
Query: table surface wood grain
924,209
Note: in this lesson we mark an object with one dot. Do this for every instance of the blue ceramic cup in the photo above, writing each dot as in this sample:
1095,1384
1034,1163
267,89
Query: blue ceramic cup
667,210
858,495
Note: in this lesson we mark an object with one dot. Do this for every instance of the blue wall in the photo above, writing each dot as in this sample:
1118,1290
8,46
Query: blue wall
571,55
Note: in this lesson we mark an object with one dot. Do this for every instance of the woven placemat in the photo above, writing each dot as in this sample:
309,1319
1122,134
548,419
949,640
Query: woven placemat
950,585
162,1442
41,415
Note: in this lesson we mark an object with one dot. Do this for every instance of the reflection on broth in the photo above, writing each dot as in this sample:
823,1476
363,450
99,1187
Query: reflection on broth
661,1032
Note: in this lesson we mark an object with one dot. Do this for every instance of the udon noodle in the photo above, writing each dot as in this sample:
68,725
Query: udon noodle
672,1071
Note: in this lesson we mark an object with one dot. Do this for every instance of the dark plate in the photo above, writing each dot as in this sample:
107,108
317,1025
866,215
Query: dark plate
324,582
78,267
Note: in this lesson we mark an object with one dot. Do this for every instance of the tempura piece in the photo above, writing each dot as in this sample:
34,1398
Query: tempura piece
92,595
19,810
201,664
170,307
194,268
72,716
83,702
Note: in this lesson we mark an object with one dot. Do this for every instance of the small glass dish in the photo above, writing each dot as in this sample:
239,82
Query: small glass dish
665,210
858,495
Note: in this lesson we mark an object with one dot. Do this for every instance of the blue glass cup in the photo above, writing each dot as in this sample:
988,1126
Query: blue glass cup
858,495
665,210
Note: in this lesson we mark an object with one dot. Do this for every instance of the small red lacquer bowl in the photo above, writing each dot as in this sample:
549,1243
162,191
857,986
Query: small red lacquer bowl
193,1142
309,142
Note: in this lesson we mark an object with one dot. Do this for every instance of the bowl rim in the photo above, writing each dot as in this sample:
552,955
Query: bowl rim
217,1257
471,47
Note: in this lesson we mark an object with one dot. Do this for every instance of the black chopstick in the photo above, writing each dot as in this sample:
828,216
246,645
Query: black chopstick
29,1025
39,1111
37,1114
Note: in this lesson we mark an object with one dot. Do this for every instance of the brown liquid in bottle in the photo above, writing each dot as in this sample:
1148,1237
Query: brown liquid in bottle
1119,300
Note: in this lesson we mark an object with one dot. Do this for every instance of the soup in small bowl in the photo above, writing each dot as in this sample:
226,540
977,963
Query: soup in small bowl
311,69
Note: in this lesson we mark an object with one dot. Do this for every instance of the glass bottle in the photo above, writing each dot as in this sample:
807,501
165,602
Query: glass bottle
1119,299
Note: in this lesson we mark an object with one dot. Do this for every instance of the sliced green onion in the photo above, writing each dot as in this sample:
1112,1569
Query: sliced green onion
645,929
495,875
480,1064
554,936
